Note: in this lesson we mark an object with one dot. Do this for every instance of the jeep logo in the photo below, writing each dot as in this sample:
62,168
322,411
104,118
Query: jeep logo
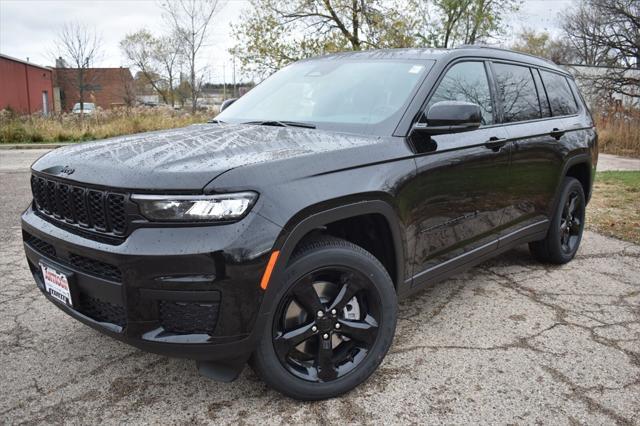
66,170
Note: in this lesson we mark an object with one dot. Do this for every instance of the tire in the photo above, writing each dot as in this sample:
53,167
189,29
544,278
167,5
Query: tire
566,227
306,370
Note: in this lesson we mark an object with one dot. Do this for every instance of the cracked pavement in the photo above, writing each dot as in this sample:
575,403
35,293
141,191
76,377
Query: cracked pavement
510,341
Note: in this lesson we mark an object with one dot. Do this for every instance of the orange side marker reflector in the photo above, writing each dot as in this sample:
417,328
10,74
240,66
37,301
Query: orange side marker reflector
267,272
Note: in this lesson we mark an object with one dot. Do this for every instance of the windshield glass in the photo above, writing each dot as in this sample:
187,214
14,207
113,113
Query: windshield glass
329,91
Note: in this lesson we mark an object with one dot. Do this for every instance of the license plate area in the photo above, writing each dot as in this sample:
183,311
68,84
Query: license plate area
58,283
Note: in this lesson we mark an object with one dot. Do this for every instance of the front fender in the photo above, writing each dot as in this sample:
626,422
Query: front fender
317,216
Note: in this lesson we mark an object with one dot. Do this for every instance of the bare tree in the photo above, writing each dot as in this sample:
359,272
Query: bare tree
128,87
79,47
608,33
156,58
190,20
168,54
582,25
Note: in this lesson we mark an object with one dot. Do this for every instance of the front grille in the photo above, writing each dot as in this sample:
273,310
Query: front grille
38,245
189,317
101,310
96,267
91,209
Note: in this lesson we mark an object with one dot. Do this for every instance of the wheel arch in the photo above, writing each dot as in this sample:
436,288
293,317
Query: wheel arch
581,170
313,218
571,165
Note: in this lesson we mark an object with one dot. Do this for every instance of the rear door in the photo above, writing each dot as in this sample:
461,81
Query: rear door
458,195
536,150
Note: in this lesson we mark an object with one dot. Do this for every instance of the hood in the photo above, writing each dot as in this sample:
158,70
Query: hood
187,158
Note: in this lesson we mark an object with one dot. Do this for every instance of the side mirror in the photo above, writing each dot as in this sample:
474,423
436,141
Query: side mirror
450,117
225,104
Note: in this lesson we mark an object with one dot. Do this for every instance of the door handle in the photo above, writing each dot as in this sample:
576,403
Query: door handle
495,144
556,133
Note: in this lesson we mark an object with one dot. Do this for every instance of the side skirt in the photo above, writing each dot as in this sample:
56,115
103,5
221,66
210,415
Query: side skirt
533,232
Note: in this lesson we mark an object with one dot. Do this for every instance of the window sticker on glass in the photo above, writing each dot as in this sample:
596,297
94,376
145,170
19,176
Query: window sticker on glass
415,69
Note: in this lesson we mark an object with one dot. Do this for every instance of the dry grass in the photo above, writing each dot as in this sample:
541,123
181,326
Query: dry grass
615,206
619,132
102,124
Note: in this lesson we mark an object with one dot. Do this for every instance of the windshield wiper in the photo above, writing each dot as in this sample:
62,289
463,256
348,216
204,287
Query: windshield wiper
282,123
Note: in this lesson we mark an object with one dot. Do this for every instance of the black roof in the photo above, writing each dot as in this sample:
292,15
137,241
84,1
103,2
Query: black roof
447,54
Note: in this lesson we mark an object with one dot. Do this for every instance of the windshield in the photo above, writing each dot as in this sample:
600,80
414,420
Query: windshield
330,93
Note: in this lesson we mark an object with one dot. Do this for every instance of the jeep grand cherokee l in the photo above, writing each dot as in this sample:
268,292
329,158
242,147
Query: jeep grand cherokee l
284,231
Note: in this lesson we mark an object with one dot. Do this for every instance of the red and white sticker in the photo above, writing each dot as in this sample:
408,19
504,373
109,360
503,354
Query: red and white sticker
56,284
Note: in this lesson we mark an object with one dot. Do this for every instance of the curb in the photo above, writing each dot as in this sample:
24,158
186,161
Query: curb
34,145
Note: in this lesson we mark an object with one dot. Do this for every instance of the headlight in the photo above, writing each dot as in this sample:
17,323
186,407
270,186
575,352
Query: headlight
195,207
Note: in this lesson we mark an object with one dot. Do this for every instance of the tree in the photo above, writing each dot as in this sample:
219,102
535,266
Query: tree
79,47
168,54
190,21
543,45
449,23
582,25
156,58
274,33
607,33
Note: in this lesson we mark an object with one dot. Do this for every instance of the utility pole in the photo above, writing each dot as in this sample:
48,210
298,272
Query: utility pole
234,77
224,81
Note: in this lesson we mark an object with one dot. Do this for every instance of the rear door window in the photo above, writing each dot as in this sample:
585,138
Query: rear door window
466,81
559,93
517,93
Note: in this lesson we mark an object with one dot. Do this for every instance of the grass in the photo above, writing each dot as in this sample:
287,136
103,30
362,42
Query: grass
102,124
615,206
619,131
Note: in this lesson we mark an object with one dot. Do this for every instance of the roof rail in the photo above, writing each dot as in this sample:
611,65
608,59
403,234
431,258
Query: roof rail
502,49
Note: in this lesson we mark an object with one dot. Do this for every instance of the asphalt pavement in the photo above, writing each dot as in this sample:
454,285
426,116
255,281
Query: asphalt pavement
510,341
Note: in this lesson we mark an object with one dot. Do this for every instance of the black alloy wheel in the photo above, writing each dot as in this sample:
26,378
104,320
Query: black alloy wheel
332,323
566,226
326,324
571,222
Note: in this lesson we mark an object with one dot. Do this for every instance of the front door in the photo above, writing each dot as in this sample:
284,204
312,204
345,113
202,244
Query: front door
458,195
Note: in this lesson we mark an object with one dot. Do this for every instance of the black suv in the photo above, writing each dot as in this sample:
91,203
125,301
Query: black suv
284,231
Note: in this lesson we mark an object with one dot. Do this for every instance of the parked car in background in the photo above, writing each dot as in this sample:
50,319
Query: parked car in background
284,232
84,108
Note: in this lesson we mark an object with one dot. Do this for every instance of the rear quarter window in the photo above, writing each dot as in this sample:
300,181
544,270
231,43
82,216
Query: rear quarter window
560,97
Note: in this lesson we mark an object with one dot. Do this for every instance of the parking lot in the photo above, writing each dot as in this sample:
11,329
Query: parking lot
510,341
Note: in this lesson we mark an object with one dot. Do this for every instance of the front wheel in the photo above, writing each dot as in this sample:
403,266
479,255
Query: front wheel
333,324
565,231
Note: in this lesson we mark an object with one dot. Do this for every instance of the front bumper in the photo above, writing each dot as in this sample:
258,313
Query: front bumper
190,292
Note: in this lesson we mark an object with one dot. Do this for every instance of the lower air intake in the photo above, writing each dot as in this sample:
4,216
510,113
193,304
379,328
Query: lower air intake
189,317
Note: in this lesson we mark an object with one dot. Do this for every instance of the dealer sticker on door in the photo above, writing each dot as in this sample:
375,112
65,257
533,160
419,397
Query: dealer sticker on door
56,284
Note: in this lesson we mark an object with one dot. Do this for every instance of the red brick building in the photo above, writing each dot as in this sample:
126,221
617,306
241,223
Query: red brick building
105,87
25,88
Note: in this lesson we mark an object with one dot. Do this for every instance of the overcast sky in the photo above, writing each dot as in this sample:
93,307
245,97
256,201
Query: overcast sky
28,27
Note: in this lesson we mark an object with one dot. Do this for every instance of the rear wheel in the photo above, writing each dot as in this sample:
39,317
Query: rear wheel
565,231
333,324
